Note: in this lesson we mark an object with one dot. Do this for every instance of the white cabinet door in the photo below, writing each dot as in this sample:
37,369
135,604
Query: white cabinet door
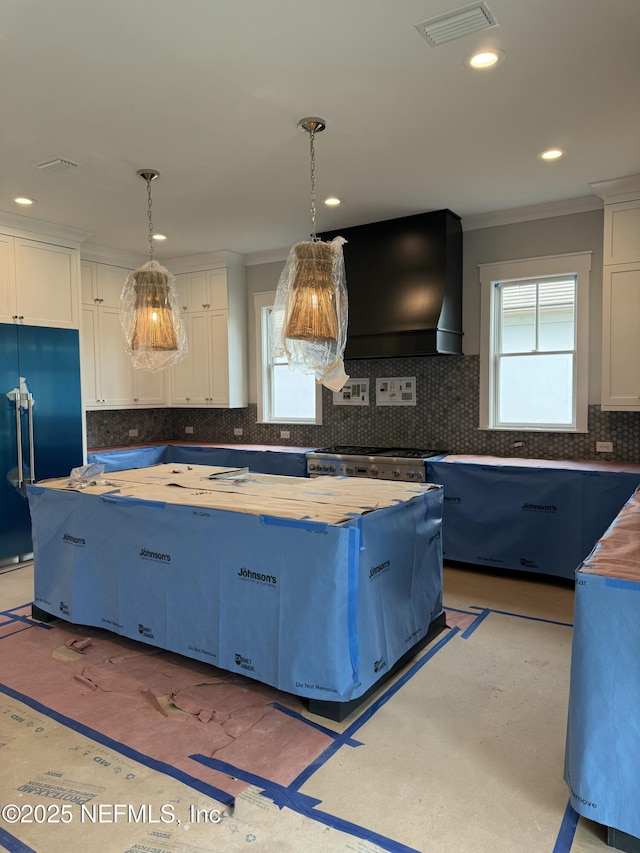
88,283
621,338
116,373
47,284
181,374
148,388
190,381
622,233
90,356
219,359
110,281
193,292
7,280
199,355
218,289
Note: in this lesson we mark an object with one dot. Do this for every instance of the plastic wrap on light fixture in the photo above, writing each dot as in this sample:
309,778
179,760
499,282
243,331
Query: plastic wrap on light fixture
310,312
151,323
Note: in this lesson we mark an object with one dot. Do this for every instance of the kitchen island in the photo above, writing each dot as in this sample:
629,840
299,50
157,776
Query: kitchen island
603,733
317,587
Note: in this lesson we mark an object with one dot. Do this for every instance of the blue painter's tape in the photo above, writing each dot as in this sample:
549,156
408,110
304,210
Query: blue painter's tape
522,616
475,624
13,844
622,583
303,804
122,499
352,601
567,831
297,523
311,724
197,784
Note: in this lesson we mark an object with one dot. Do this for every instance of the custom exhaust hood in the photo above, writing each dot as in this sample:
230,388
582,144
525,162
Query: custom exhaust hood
404,282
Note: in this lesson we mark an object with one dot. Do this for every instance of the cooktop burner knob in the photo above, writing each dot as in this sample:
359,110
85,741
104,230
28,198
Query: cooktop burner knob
418,475
396,473
410,475
373,472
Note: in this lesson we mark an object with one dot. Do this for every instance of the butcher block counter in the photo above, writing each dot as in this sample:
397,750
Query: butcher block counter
316,587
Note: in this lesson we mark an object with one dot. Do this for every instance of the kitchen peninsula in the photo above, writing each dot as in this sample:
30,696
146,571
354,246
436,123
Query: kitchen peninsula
316,587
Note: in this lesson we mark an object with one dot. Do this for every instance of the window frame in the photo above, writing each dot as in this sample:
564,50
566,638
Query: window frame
261,302
575,264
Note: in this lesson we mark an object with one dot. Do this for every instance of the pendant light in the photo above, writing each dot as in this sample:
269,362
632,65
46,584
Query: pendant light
151,322
308,322
313,315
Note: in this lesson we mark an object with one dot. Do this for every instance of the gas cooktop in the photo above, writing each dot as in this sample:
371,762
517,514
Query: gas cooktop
397,452
384,463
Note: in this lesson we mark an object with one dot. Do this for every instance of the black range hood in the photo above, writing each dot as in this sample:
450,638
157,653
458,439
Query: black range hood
404,282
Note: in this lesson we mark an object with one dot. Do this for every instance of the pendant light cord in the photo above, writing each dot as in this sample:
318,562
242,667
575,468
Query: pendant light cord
149,218
312,151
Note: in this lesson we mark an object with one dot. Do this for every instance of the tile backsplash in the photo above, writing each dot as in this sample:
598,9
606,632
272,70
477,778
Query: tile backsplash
445,417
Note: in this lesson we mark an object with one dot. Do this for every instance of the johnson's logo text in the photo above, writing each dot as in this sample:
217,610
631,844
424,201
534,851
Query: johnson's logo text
74,540
154,555
257,576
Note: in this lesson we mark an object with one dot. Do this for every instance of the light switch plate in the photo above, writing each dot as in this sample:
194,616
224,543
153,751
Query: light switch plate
237,430
133,433
284,433
188,430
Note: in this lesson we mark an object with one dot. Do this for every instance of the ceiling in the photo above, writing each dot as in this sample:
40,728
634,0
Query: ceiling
209,93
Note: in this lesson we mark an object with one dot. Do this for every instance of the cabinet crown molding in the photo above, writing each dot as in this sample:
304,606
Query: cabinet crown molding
206,261
618,189
106,255
38,229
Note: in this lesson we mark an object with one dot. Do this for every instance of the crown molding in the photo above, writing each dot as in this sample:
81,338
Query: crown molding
268,256
205,261
618,189
29,228
107,255
531,212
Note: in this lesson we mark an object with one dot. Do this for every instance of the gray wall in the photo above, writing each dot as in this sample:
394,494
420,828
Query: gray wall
446,416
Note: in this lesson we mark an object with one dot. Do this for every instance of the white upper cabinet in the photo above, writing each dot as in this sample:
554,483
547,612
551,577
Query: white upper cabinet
38,283
109,380
621,294
622,233
214,306
102,284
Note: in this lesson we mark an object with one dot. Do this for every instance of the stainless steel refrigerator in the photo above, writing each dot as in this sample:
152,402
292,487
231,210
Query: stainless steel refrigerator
40,421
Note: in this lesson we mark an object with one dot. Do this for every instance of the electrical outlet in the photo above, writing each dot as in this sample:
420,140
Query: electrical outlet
237,430
604,447
133,433
284,433
188,430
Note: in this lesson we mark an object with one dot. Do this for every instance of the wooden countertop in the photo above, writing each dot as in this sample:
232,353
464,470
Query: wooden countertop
277,448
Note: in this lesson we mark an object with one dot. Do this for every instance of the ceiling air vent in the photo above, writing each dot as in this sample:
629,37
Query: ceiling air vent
456,24
55,165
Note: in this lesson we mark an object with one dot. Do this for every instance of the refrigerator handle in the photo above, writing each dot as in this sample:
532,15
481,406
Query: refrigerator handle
32,452
16,397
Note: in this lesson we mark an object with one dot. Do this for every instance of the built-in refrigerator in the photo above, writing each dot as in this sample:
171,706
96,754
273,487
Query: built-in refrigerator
40,421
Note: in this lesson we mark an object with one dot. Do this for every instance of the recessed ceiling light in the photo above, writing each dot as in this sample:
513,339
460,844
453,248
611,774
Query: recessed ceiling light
24,200
488,58
332,201
551,154
159,237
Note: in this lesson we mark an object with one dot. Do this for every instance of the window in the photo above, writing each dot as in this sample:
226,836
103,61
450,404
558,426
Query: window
534,358
284,395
